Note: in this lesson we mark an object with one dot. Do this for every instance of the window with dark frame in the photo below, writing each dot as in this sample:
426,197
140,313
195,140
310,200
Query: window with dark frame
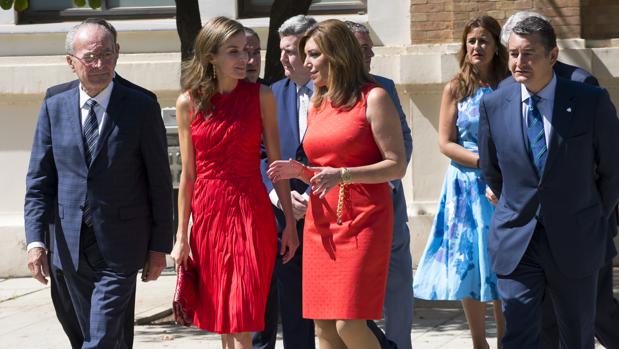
261,8
51,11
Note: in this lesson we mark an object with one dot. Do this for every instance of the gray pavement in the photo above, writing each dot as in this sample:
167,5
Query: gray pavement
28,321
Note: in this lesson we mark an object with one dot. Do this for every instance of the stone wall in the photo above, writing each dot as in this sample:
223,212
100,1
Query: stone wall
440,21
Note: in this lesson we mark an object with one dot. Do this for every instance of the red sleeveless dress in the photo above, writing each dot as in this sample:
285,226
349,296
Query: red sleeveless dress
233,238
345,266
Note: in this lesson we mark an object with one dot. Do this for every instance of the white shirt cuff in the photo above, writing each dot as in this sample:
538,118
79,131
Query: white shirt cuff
305,196
34,244
274,198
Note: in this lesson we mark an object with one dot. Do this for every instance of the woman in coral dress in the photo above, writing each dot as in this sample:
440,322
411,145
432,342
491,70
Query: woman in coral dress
354,144
222,121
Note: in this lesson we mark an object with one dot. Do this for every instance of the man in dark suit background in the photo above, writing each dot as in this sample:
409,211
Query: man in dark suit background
547,147
607,307
292,97
398,307
99,172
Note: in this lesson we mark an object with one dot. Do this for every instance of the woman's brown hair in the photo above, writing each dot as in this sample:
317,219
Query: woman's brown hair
199,77
347,74
466,81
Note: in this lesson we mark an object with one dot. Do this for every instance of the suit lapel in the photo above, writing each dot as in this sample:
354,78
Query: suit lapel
112,112
292,109
74,112
310,86
562,111
515,126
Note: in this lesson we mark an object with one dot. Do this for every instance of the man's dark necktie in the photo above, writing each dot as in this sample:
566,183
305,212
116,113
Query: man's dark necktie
535,133
91,135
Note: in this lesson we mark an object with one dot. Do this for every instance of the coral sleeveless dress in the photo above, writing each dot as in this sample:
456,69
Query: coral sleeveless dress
345,266
233,238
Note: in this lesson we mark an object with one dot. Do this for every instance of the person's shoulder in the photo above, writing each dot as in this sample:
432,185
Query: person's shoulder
574,73
505,89
579,89
280,84
506,82
136,96
383,81
119,79
375,93
57,89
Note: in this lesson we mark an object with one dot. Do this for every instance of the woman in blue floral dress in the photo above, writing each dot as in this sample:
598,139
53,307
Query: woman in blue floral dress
455,264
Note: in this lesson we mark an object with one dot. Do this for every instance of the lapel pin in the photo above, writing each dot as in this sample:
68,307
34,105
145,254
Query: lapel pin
569,110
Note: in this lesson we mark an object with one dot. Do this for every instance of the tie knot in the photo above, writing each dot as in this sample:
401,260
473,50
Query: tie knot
304,90
533,100
91,103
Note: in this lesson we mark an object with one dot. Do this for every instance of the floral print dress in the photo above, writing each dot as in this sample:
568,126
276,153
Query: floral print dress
455,262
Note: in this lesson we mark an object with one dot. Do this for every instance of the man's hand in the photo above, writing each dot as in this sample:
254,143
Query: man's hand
37,264
155,263
299,205
490,196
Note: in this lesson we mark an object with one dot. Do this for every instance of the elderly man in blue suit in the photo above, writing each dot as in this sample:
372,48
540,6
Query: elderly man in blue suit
607,307
398,307
292,96
99,173
548,147
59,292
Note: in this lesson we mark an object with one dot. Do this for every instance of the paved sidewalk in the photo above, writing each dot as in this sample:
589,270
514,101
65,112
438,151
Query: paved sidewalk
28,321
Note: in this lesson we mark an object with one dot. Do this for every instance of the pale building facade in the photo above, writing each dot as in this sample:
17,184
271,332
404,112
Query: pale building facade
416,45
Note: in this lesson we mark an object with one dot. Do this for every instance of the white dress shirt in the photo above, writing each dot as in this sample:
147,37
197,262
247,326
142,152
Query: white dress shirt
544,105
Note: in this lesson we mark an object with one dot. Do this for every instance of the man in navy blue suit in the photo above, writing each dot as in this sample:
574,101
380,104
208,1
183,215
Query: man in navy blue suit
398,307
59,292
99,174
548,147
292,96
607,307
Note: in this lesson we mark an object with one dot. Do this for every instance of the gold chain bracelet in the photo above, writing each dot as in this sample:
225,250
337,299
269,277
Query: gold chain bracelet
344,181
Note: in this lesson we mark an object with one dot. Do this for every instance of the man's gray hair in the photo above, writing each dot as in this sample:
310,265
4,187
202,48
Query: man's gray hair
250,32
68,45
296,25
357,27
514,19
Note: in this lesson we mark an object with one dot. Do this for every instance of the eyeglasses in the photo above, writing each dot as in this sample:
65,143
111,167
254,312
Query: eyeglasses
90,58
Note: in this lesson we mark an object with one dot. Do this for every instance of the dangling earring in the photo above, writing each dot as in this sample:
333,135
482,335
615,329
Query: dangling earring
496,53
213,75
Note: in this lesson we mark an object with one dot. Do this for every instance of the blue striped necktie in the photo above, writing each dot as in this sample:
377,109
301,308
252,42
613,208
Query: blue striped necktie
535,133
91,135
91,131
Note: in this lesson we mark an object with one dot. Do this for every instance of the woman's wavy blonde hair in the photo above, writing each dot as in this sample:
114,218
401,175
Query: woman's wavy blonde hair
347,74
199,78
466,81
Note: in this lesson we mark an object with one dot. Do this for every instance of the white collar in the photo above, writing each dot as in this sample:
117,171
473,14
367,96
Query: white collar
102,99
547,93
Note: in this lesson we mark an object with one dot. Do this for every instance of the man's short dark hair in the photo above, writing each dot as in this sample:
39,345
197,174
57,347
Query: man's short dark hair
535,25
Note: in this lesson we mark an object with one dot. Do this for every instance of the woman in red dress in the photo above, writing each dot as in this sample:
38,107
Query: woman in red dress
222,121
354,144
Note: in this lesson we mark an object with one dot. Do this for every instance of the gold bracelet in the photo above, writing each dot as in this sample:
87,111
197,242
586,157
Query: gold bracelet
345,176
344,181
340,203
